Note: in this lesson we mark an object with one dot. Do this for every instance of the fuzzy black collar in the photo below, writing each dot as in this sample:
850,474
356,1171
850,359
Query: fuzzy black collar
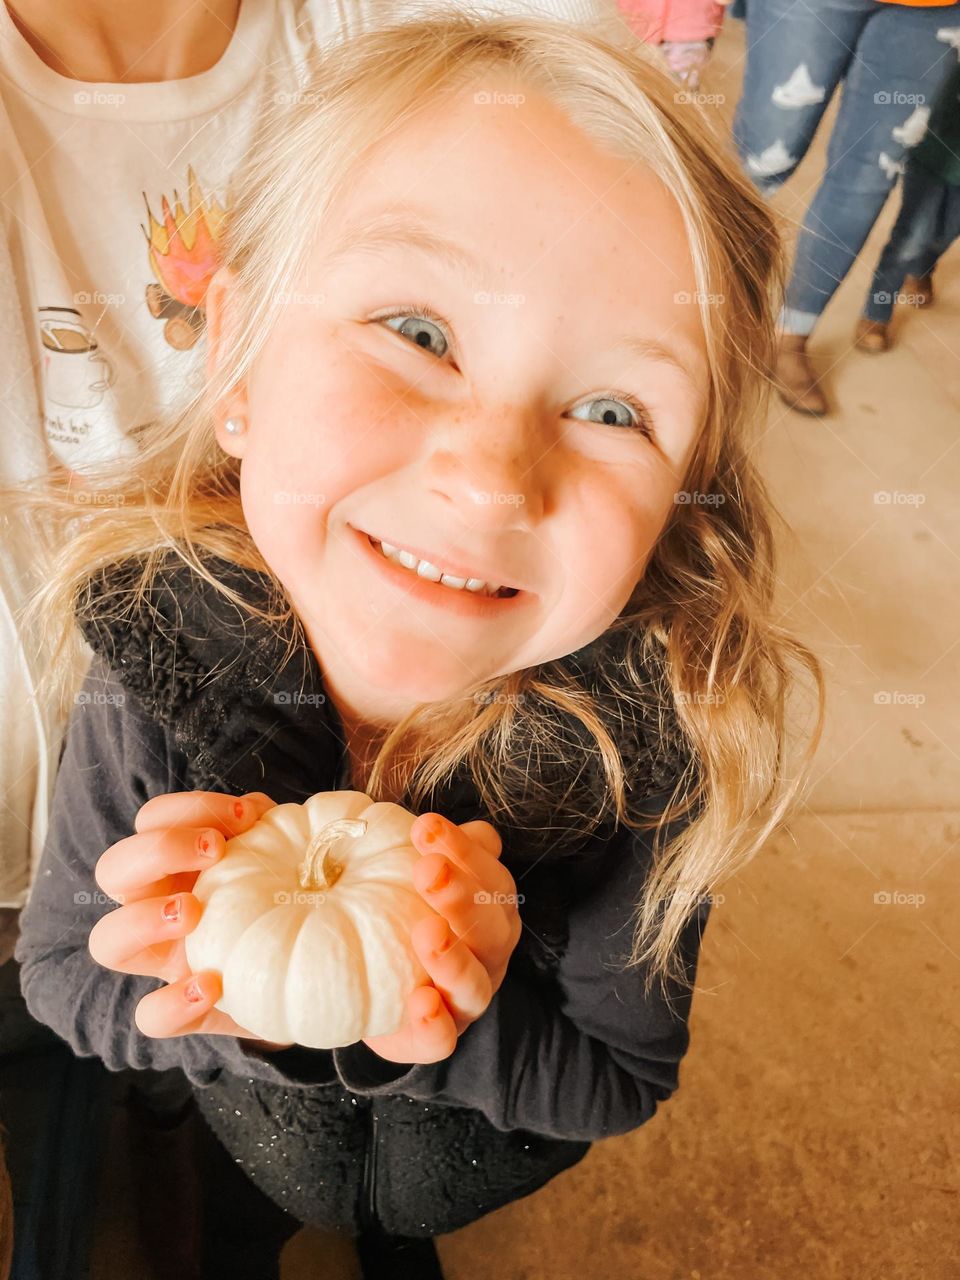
247,721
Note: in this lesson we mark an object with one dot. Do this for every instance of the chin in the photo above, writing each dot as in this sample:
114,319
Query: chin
421,683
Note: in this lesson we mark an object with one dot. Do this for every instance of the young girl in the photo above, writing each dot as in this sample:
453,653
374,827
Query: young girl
466,518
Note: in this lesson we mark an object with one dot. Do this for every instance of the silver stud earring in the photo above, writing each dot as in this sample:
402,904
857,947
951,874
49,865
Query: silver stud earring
235,426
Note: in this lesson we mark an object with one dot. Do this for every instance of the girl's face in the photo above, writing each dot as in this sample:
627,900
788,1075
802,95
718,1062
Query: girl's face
504,374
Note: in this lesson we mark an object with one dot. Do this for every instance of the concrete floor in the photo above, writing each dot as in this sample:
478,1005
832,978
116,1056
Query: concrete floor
810,1136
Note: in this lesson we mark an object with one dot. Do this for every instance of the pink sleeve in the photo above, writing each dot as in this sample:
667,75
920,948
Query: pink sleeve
657,20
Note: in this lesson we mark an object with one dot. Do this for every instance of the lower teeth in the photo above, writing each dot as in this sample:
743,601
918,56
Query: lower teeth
502,594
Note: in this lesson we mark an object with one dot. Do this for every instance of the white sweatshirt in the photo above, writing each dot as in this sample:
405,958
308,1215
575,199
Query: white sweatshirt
112,196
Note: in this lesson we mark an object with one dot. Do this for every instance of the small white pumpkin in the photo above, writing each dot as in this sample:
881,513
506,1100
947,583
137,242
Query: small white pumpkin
307,916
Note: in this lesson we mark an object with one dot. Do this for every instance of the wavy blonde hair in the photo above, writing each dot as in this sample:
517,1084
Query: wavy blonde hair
705,604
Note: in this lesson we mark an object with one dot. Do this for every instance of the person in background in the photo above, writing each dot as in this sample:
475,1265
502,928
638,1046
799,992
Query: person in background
684,31
892,60
926,227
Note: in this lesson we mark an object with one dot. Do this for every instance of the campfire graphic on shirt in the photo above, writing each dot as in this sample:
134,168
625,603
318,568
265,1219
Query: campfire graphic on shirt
182,250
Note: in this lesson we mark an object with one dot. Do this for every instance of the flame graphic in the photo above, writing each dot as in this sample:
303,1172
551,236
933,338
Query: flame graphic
182,249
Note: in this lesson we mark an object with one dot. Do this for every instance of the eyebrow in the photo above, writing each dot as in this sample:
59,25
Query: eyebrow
396,228
392,229
650,349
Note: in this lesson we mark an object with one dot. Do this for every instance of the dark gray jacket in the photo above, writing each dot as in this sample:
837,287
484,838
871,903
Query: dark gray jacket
192,695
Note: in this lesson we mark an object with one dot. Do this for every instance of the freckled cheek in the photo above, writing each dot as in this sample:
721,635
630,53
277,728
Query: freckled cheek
614,546
315,442
284,521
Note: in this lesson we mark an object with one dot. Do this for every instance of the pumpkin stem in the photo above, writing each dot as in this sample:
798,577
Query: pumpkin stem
318,870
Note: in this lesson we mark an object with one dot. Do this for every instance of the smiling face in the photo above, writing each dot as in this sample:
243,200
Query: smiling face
518,408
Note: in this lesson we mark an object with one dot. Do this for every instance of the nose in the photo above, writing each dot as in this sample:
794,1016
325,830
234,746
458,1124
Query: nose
492,476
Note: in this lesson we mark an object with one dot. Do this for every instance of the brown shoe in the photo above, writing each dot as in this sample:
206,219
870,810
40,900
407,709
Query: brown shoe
872,336
919,289
795,379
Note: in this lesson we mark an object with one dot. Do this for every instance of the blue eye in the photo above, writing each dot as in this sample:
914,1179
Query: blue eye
419,328
421,325
638,418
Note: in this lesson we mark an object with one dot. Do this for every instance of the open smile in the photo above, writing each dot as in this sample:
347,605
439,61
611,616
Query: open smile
426,581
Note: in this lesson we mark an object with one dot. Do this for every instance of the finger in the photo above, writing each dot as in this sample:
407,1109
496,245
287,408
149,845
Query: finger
476,915
428,1032
484,835
455,971
180,1008
433,1031
145,937
229,814
144,866
433,833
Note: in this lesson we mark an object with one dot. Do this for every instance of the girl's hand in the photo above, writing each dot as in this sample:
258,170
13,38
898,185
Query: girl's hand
151,874
465,947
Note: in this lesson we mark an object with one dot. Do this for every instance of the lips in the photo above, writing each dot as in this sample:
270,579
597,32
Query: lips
474,604
459,574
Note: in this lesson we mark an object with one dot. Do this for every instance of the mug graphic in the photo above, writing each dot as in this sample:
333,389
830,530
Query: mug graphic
75,374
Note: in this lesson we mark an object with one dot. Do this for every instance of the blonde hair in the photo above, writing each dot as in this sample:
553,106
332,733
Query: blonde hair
703,611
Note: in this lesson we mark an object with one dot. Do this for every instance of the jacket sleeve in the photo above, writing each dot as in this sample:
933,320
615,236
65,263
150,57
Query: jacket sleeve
115,759
582,1057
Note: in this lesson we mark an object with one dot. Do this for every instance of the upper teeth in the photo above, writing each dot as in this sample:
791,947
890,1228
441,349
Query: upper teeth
425,569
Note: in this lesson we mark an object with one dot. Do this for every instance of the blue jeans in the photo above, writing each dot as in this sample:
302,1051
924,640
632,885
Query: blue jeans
926,227
892,60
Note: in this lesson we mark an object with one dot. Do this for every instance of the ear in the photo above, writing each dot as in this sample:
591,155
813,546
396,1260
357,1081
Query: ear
219,307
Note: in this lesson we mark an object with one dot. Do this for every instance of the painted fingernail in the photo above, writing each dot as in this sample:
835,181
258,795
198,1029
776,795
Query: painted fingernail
432,830
206,844
238,809
193,991
443,944
442,880
171,910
